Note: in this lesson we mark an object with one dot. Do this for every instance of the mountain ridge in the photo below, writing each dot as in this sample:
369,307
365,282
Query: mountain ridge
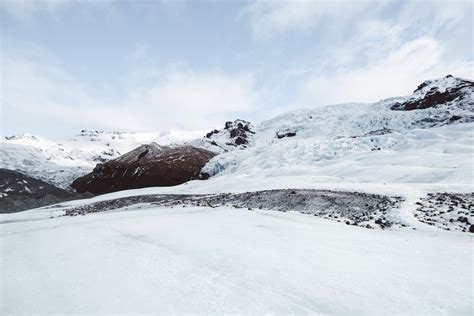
331,132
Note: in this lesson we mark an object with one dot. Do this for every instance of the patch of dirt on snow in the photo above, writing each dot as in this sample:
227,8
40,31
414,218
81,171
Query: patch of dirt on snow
351,208
448,211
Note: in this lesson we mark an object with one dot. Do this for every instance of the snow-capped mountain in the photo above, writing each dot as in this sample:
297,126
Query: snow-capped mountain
425,137
59,162
446,91
380,142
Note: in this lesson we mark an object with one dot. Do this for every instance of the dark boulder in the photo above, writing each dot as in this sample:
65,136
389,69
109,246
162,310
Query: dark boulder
280,135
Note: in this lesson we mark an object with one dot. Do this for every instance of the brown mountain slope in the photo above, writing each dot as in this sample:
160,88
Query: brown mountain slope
146,166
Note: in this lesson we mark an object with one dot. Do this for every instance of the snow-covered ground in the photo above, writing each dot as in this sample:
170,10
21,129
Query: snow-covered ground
149,259
203,260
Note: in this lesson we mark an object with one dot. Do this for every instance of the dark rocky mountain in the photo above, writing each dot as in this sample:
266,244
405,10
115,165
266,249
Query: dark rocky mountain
19,192
440,92
146,166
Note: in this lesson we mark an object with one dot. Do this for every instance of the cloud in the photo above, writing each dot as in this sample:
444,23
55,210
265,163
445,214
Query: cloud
268,18
185,99
366,50
45,98
338,51
24,10
397,74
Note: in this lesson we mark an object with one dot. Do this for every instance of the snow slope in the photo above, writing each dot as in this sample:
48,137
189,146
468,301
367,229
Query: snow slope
363,143
203,260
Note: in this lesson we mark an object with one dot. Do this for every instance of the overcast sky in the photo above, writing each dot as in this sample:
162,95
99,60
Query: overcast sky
148,65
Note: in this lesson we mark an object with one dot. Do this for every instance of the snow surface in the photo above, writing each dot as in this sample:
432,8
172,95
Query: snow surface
203,260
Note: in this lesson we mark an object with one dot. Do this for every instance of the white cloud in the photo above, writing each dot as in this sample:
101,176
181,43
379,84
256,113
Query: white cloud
195,100
399,73
267,17
45,98
365,51
272,17
368,50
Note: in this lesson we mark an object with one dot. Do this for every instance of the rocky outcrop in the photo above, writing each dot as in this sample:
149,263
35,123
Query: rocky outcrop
19,192
438,92
284,134
234,135
146,166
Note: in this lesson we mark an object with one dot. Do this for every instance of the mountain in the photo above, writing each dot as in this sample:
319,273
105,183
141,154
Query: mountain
444,91
146,166
20,192
422,138
59,162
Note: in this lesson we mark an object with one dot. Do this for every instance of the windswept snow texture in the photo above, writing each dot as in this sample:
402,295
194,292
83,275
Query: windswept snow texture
224,260
363,143
60,162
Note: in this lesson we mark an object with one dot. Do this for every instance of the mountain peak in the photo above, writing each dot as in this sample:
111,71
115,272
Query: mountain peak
436,92
22,136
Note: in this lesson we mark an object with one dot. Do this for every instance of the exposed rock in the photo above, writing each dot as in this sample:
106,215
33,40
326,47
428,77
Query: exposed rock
433,93
284,134
19,192
354,208
146,166
455,118
237,134
378,132
449,211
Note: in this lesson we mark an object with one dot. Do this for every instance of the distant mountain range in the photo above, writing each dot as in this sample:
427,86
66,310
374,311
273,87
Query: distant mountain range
422,137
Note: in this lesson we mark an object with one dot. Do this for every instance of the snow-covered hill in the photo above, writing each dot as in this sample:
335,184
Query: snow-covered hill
61,161
366,142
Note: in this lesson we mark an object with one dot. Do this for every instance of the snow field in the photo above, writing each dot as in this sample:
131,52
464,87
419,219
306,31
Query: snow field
203,260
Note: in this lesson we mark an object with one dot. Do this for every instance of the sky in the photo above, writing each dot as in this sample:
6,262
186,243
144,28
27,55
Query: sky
147,65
